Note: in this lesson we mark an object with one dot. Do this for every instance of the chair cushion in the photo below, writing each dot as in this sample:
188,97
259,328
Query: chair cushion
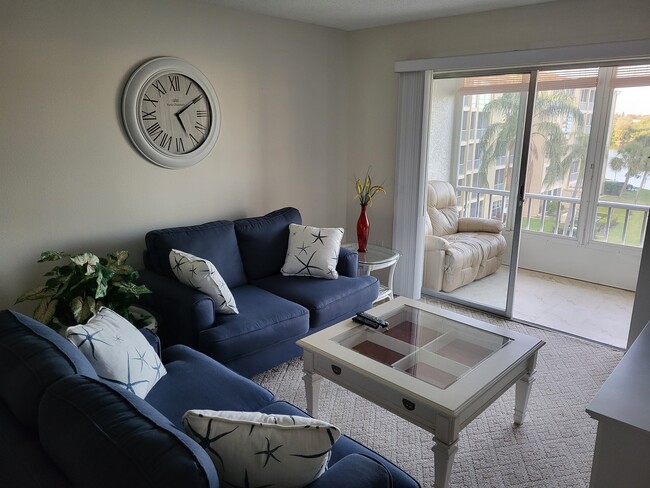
118,351
441,206
194,380
105,437
255,449
313,251
32,357
328,301
263,241
214,241
346,446
264,319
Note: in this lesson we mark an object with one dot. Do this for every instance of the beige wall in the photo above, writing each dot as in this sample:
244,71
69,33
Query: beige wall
69,177
304,110
373,88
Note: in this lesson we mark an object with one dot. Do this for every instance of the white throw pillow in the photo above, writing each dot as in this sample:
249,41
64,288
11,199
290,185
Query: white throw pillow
118,351
256,449
201,275
313,251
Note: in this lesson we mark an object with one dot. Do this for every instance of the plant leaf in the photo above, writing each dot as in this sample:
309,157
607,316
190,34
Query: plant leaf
52,256
76,307
37,293
44,313
120,257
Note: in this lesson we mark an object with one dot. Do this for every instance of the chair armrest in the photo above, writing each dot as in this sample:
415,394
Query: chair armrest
435,243
152,339
183,311
352,471
475,224
348,264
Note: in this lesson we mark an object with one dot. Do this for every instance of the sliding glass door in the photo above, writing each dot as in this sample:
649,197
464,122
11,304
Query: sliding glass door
558,157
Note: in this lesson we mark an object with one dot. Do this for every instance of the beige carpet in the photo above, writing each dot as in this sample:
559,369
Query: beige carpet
553,448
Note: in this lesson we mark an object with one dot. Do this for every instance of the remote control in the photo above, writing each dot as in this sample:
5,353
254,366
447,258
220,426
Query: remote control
362,321
372,318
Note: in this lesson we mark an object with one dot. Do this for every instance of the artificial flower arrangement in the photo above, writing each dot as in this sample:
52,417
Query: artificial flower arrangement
366,190
75,291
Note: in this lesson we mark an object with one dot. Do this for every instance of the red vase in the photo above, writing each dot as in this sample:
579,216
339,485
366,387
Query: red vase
363,229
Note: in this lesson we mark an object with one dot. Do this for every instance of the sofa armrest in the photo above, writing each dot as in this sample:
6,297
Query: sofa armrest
435,243
348,264
182,311
475,224
355,470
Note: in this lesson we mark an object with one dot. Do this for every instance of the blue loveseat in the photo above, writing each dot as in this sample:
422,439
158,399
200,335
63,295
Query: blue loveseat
274,310
62,426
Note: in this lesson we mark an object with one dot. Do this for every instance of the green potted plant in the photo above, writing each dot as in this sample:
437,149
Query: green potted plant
75,291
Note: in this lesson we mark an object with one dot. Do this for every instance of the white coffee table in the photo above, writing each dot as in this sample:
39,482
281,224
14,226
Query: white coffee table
434,368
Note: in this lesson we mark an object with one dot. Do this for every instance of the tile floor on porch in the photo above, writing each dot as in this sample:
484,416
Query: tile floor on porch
595,312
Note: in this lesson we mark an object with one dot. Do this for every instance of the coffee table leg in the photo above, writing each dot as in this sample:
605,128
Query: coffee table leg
522,391
443,460
312,389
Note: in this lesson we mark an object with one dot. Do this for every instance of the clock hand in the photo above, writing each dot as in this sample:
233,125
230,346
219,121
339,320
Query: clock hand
189,105
178,116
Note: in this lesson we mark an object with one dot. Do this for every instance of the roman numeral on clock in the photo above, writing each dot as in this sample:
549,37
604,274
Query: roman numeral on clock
159,86
202,113
200,127
174,83
196,143
180,148
166,141
148,115
154,131
147,98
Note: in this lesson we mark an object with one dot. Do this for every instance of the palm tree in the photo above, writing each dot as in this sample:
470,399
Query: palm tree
551,107
633,157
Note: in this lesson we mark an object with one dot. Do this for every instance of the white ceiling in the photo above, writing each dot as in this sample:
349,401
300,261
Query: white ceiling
361,14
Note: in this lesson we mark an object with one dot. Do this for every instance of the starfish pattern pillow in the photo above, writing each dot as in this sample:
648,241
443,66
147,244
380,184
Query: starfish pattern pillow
313,251
118,351
202,275
256,449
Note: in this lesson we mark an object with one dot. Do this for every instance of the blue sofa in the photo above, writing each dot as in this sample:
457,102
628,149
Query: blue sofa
274,310
62,426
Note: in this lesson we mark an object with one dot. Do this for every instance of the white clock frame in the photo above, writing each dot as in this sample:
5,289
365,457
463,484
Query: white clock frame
135,89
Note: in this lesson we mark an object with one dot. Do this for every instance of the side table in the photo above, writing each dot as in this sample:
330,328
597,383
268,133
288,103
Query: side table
378,257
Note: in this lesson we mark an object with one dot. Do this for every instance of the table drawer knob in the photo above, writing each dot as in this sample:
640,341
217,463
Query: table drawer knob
336,369
409,405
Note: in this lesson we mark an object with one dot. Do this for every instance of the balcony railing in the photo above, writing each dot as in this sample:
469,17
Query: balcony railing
615,222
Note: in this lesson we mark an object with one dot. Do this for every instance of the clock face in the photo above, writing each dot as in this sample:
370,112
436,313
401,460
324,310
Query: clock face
171,112
174,113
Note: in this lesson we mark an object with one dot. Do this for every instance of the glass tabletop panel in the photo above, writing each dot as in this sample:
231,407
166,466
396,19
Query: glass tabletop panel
374,254
432,348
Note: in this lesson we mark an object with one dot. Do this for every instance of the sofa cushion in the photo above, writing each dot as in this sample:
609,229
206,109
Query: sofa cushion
214,241
105,437
118,351
32,357
202,275
255,449
313,252
328,301
263,241
23,462
346,446
194,380
264,319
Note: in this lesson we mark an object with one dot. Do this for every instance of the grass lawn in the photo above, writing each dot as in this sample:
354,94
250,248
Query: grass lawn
634,226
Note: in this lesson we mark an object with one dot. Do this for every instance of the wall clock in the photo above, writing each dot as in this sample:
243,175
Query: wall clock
171,112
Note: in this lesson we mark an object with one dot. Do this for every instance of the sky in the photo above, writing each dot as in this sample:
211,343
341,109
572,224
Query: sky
635,100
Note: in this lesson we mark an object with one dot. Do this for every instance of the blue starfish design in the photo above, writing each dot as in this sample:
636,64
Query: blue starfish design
129,384
157,367
307,266
118,338
268,452
206,442
302,248
90,338
319,237
141,358
178,262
